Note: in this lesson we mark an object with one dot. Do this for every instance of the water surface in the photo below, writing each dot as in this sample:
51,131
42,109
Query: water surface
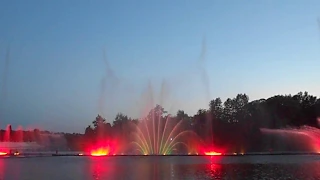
172,167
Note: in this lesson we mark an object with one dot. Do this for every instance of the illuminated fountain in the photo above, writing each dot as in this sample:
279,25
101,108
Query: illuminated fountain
28,141
305,138
12,141
157,135
165,135
154,135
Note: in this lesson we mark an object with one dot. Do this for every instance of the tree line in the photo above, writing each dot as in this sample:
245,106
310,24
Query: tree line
233,124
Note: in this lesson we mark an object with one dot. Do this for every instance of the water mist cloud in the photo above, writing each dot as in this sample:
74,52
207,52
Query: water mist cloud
5,75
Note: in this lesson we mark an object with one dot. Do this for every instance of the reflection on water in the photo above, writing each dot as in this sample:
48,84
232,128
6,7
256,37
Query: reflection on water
117,168
1,169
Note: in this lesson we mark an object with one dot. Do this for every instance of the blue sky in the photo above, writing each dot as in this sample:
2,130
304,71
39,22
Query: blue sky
56,65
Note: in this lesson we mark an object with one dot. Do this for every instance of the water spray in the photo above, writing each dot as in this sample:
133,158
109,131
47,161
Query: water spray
5,75
204,74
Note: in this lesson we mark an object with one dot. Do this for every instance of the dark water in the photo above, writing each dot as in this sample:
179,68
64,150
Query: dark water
117,168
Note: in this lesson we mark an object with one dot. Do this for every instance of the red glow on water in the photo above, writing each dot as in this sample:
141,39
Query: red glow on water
2,169
212,153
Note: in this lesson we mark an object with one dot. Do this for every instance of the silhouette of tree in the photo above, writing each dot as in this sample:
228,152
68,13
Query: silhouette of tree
156,113
120,119
98,122
89,132
233,124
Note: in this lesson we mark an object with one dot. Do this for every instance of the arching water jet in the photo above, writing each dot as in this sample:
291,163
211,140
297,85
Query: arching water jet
305,138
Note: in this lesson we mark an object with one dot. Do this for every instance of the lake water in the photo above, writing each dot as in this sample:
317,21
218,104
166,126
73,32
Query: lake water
302,167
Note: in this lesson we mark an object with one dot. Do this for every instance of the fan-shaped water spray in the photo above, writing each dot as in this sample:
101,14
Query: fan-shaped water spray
161,136
158,133
305,138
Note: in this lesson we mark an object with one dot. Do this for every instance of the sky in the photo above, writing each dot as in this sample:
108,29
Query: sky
64,62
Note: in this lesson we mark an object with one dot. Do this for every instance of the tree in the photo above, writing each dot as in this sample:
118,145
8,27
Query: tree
120,119
98,122
156,113
202,125
181,115
89,132
216,108
186,120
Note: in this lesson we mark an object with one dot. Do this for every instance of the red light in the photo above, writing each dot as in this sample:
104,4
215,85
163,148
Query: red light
3,153
212,153
100,152
102,149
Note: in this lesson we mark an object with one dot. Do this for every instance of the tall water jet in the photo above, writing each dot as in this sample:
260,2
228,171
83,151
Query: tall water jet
102,99
206,82
110,79
3,89
318,21
204,74
19,134
7,134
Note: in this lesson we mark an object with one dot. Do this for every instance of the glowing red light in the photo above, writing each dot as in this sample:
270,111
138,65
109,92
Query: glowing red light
100,151
212,153
102,148
3,153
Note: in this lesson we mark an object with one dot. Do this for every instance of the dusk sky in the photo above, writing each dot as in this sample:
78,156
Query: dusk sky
56,78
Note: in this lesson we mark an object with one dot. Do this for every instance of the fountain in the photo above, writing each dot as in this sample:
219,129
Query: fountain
159,133
19,134
14,141
305,138
7,134
156,135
